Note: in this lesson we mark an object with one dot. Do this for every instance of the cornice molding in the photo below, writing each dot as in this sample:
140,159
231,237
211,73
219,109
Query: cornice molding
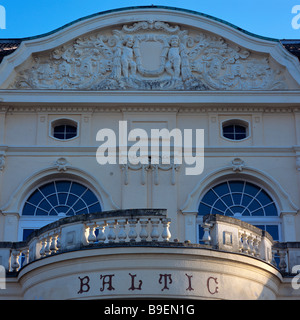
148,109
146,98
251,151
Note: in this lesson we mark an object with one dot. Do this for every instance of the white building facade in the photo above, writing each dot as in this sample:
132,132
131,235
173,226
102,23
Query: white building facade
72,227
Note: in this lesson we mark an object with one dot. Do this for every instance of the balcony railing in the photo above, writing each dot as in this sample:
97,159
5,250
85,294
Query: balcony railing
233,235
144,227
74,233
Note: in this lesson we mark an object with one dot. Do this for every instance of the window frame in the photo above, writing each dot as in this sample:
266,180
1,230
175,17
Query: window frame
61,122
253,220
238,122
39,221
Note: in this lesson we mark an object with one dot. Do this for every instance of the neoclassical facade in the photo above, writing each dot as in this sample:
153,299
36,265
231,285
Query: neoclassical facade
73,226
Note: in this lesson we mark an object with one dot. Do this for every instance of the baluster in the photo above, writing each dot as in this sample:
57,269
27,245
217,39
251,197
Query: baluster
245,247
111,235
132,235
250,245
282,263
15,264
101,235
206,236
58,242
26,255
143,233
53,245
154,233
91,237
47,248
122,234
240,241
256,245
166,234
43,243
274,262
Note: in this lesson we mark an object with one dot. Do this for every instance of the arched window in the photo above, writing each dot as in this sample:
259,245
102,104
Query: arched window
61,198
245,201
53,201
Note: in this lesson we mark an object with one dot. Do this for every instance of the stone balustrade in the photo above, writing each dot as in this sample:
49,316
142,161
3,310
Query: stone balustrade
287,256
233,235
145,226
77,232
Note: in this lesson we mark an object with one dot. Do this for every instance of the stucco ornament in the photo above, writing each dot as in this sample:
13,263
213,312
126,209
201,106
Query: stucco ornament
149,55
61,164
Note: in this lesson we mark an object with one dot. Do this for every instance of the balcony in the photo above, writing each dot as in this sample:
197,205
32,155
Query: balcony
131,254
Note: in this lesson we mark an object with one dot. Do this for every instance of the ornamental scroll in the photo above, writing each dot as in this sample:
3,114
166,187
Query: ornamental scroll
150,55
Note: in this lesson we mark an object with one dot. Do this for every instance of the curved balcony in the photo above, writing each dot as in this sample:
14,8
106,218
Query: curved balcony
131,254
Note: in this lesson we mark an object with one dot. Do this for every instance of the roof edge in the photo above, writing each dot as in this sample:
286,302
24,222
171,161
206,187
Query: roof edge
142,8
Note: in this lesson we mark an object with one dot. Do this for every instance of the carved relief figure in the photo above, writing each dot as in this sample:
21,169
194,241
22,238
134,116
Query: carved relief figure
114,60
128,65
173,63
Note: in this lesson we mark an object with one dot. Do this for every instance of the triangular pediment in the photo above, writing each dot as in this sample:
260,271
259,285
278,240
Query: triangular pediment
153,54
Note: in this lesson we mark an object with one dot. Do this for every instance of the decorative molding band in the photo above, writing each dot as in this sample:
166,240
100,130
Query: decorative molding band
87,99
285,151
148,109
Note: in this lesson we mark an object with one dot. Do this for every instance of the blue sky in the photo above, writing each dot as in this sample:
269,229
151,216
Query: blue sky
269,18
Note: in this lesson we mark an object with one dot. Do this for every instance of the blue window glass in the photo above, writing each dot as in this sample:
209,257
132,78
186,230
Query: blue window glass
235,132
221,189
204,209
64,132
237,198
61,197
270,210
35,197
28,209
26,233
272,229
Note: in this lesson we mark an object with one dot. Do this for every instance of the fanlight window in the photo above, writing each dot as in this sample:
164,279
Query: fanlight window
238,199
242,200
61,198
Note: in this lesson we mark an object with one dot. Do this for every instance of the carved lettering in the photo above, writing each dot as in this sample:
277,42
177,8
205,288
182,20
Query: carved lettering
84,284
132,283
212,289
107,280
167,278
106,283
189,288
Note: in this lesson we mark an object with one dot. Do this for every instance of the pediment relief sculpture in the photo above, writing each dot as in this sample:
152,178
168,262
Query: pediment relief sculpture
150,55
